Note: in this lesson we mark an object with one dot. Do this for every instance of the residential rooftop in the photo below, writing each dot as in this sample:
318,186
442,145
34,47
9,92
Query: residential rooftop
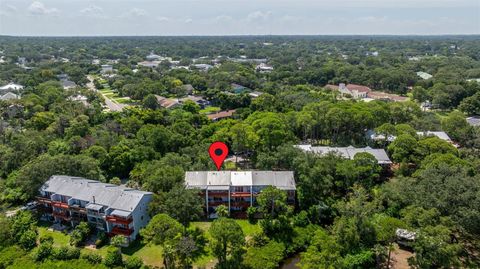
348,152
223,180
95,192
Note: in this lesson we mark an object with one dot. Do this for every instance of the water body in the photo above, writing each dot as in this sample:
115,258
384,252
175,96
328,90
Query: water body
291,263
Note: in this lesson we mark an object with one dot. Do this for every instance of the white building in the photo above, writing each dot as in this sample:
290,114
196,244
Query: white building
11,87
117,210
424,75
106,68
348,152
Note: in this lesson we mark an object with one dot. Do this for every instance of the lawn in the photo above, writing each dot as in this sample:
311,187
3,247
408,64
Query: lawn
210,109
59,238
151,254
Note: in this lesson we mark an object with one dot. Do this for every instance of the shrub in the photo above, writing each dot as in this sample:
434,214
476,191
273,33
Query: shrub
28,240
102,239
266,257
43,251
251,212
66,253
113,257
133,263
92,258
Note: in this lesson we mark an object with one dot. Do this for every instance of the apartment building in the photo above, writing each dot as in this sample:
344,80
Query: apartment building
114,209
237,189
348,152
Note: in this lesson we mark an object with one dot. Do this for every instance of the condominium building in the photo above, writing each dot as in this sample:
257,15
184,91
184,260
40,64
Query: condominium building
114,209
348,152
237,189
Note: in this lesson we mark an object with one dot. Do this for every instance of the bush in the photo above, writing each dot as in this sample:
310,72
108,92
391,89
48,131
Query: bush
113,257
102,239
92,258
251,212
301,219
46,239
133,263
66,253
79,234
28,240
10,254
43,251
266,257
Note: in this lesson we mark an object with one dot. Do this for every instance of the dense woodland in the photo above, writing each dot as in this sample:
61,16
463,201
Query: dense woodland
346,212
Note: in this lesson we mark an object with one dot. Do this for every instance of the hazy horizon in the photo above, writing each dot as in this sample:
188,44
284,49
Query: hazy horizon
238,18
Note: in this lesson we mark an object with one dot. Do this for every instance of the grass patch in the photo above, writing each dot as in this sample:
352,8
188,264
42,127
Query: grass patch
210,109
59,238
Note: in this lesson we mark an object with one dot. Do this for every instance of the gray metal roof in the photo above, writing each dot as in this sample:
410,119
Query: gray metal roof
94,206
222,180
120,213
113,196
473,121
348,152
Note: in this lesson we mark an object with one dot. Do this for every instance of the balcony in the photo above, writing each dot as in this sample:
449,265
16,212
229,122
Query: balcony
43,200
215,203
122,231
241,194
77,208
60,204
240,204
62,215
120,220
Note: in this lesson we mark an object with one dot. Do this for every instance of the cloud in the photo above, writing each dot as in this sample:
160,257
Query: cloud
222,18
38,8
92,10
163,19
188,20
259,15
8,10
134,12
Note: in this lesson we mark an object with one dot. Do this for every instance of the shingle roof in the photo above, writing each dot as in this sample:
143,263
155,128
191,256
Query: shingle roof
222,180
473,121
113,196
441,135
221,114
348,152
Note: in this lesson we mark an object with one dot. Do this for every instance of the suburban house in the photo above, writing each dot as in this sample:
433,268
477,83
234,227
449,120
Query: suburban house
365,93
196,99
10,91
117,210
237,190
106,68
167,103
473,121
255,94
441,135
264,68
9,96
348,152
221,115
424,75
353,90
238,89
11,87
203,67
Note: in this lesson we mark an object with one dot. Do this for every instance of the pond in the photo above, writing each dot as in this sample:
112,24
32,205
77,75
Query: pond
291,263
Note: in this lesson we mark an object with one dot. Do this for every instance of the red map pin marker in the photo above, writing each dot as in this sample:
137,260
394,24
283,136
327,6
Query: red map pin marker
218,152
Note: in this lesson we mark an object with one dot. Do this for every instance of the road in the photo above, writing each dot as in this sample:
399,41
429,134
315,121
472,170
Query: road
112,105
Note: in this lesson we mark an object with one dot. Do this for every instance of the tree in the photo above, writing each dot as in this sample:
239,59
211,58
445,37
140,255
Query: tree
272,201
385,230
471,105
227,242
324,252
403,148
222,211
184,205
113,258
268,256
434,249
163,230
133,262
150,101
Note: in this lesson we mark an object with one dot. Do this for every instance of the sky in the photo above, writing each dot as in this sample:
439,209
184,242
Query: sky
238,17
